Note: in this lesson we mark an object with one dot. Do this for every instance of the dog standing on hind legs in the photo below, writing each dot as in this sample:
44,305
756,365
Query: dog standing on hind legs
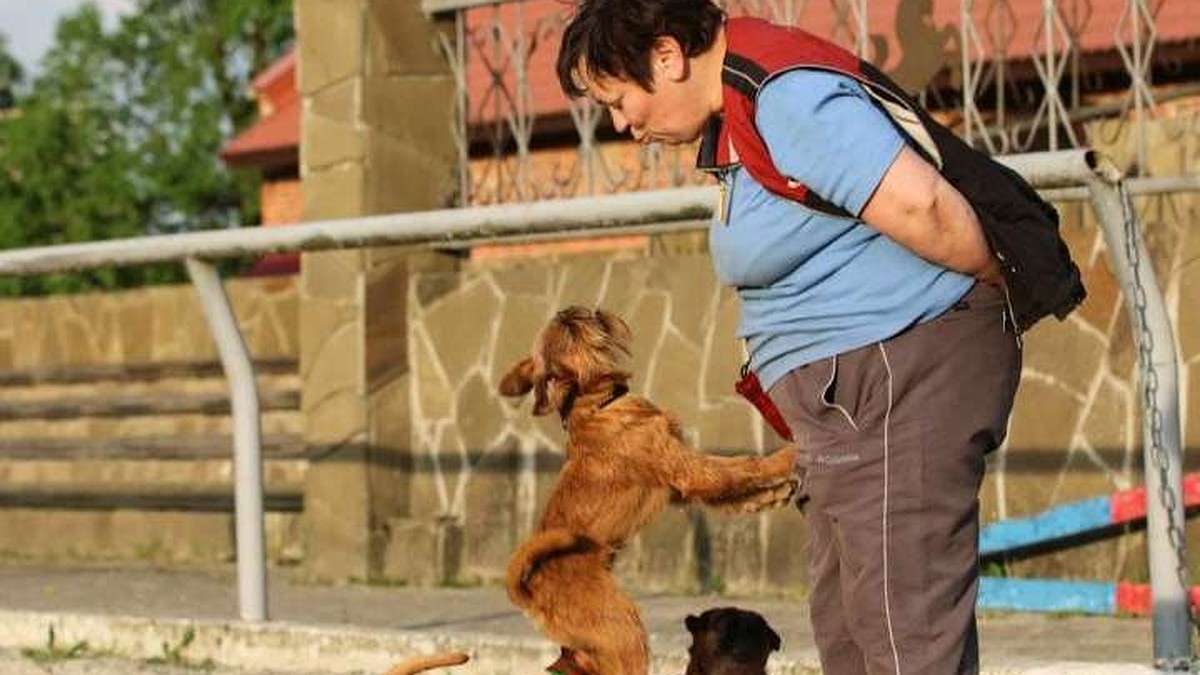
625,461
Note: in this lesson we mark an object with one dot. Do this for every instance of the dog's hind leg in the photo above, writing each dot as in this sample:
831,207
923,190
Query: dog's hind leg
619,647
616,659
604,633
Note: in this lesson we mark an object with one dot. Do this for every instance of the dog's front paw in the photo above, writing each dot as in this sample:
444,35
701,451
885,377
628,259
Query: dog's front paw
768,498
786,460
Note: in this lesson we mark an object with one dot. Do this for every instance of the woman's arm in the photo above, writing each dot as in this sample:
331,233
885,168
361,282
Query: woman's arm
823,129
919,209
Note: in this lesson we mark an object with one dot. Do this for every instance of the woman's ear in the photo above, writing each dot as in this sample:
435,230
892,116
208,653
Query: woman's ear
519,379
667,59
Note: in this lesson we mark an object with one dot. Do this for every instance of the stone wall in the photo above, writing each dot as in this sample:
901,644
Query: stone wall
85,444
161,324
377,138
1075,433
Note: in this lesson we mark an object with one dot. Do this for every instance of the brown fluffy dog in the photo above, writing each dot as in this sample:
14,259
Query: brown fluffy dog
423,663
625,461
730,641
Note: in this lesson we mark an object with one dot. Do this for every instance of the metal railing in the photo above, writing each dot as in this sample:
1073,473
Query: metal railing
1014,76
1075,174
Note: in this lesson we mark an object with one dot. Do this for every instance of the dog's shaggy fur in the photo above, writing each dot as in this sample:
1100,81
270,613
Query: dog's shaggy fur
423,663
730,641
625,461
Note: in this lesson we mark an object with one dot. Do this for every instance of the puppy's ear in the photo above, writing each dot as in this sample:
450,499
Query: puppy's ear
776,643
745,635
519,379
616,328
693,623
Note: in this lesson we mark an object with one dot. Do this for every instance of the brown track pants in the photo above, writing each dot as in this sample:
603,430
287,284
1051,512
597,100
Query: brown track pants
896,434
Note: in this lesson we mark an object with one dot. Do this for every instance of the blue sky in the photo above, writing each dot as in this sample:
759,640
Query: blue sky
29,24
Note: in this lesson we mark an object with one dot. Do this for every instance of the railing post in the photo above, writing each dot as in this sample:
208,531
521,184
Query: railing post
1155,342
247,451
1162,446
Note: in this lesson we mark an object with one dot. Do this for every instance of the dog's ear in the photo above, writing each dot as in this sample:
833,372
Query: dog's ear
616,328
773,640
745,635
549,394
519,379
693,623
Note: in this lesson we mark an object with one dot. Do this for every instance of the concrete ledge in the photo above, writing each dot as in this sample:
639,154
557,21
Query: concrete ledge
282,646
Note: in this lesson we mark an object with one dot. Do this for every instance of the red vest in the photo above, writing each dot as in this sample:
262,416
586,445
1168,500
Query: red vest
1020,227
757,52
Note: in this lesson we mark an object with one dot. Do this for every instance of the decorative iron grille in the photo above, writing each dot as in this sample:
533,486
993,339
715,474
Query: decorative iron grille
1008,75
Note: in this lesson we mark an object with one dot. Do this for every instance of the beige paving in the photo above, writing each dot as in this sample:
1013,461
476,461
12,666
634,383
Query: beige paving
358,628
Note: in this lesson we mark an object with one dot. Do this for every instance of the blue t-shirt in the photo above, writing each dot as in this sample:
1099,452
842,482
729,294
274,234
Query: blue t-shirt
813,285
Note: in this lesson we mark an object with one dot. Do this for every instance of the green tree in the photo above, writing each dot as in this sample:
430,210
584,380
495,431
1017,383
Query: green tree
119,132
10,75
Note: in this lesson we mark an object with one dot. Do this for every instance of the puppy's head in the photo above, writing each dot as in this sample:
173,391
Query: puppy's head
729,641
579,350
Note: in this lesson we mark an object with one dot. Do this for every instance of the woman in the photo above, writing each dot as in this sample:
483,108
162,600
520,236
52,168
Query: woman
873,308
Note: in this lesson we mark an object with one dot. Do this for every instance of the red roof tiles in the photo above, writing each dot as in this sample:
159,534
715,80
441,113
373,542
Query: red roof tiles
274,139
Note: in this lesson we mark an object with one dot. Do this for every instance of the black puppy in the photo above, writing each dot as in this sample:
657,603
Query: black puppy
730,641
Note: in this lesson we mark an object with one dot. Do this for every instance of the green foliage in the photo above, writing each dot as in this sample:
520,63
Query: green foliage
54,653
994,568
173,655
10,76
118,134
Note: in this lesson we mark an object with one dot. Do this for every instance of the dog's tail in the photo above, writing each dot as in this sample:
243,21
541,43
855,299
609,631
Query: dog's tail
525,560
422,663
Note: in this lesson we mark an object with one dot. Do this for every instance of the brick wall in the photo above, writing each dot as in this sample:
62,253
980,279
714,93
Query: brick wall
281,201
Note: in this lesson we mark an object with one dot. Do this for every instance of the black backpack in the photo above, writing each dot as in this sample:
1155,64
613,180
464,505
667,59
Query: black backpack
1020,226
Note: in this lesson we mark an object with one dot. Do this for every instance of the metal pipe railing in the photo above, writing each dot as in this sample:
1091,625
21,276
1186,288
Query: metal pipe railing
658,211
648,212
247,437
430,228
1162,444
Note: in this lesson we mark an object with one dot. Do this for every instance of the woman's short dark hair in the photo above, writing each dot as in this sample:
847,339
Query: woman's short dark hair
613,38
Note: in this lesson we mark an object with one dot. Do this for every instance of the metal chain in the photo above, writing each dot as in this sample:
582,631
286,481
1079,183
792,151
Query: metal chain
1158,451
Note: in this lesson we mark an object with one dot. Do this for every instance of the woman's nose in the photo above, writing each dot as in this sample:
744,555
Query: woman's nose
619,121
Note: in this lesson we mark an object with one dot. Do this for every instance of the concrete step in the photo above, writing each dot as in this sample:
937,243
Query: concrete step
127,373
140,431
192,498
210,446
140,404
208,384
197,485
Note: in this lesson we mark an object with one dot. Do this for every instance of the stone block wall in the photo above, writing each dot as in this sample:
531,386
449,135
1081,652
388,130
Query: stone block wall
378,111
1075,433
161,324
76,484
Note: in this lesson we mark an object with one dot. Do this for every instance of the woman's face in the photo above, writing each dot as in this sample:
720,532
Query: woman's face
675,112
